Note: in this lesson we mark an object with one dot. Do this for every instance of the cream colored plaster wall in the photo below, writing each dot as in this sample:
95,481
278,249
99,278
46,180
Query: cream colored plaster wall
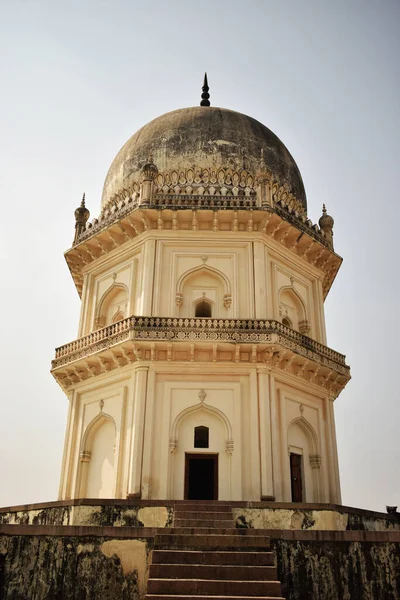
222,270
233,424
93,403
123,267
285,273
154,407
302,420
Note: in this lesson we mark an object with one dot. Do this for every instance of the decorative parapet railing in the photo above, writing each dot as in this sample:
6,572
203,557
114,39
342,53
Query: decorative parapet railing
110,216
171,329
189,202
202,189
202,202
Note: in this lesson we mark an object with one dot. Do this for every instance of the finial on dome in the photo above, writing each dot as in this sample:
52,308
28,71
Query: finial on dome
205,95
81,216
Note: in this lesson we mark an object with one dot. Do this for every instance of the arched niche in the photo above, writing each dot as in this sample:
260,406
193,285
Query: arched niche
203,308
113,306
292,310
304,459
203,284
97,459
182,443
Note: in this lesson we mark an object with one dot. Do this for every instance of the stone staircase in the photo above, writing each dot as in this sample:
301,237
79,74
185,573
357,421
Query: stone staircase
204,556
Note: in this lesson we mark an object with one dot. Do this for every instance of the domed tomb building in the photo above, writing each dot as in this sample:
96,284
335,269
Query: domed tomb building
201,368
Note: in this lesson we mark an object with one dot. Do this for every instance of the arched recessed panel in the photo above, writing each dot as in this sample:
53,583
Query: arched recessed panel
201,437
117,317
203,284
291,308
184,432
113,306
303,443
101,477
287,322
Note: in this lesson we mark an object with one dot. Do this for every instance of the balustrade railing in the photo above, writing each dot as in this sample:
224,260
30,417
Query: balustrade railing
200,329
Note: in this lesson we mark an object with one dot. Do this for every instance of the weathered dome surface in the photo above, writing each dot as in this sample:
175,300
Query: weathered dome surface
203,137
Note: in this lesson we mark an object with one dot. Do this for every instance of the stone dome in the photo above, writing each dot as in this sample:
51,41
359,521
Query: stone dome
205,138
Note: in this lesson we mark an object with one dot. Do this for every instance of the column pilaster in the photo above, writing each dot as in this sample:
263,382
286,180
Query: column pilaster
276,458
139,410
264,406
260,287
334,481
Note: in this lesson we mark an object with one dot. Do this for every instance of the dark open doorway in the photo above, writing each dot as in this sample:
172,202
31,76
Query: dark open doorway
296,477
201,476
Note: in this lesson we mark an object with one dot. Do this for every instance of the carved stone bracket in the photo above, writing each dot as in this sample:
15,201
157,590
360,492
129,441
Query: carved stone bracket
229,446
85,456
99,322
304,327
227,300
179,299
202,395
315,461
173,444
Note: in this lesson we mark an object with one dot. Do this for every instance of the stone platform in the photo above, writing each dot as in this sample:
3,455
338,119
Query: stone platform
109,549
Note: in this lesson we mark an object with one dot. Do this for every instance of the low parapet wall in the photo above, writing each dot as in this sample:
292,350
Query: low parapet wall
159,513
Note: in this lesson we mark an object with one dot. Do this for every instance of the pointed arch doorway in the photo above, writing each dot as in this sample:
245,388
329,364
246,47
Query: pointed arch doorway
201,476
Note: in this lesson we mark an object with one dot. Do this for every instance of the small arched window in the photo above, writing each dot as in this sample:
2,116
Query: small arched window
203,309
201,437
287,322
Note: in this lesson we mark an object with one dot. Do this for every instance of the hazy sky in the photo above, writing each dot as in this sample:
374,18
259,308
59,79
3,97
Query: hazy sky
78,78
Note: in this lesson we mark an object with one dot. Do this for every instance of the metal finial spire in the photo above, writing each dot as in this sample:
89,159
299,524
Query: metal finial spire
205,95
83,200
324,209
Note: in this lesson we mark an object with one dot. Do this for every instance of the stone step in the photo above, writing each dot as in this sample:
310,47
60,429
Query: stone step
213,587
205,542
214,572
202,507
200,597
210,515
202,522
211,530
196,557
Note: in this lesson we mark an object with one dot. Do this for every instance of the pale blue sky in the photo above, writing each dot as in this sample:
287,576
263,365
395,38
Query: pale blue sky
79,78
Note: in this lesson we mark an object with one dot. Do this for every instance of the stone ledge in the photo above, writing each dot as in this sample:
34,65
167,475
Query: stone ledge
133,502
81,531
148,533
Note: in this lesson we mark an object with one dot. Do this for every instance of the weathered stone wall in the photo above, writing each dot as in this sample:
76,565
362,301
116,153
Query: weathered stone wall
106,563
316,519
101,515
338,570
142,513
67,568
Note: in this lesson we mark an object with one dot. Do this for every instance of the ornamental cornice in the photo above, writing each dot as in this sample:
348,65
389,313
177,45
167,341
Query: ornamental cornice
132,221
194,340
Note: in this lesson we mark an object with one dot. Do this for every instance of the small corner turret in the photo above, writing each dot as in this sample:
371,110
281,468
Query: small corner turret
326,223
149,173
